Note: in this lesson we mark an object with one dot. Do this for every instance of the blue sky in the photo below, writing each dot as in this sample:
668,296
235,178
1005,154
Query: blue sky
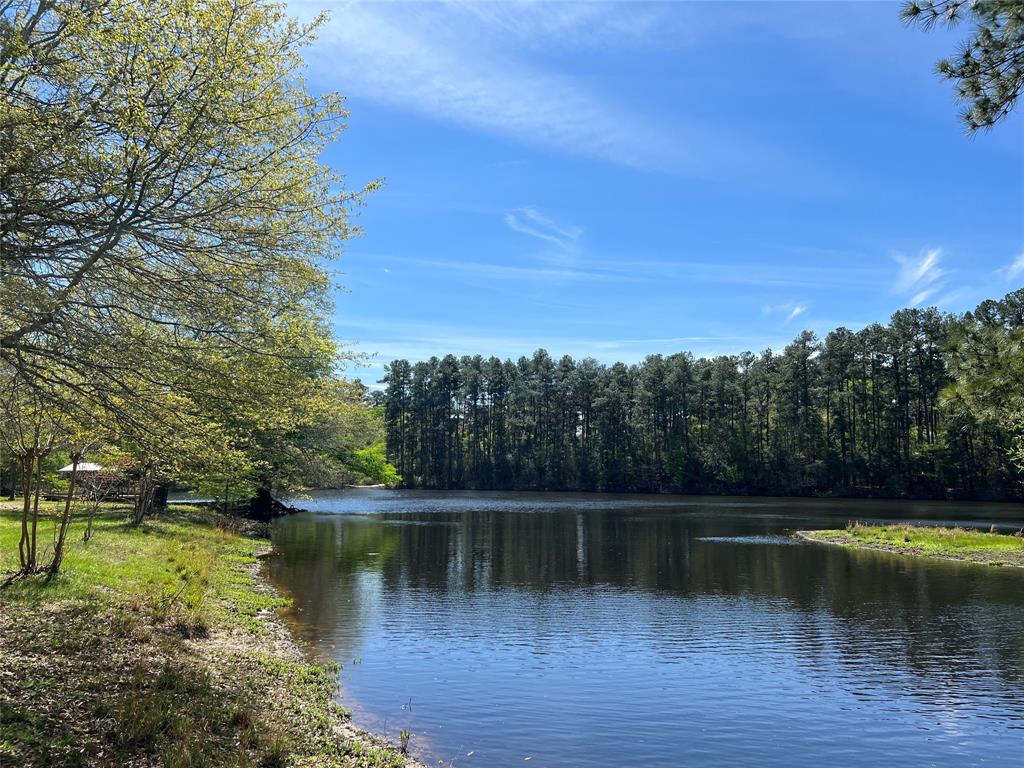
617,180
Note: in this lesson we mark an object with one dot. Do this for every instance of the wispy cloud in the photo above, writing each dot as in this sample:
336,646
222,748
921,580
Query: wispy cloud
1014,269
426,60
628,268
528,220
629,26
920,278
778,274
583,25
411,342
454,63
503,272
791,309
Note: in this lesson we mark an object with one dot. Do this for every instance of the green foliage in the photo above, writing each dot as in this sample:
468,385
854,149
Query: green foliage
986,362
372,463
165,237
318,452
948,543
856,413
989,68
176,141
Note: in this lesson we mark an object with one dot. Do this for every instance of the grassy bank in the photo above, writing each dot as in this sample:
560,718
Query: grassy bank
989,548
160,645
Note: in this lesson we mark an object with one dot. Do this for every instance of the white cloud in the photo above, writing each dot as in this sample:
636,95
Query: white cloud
920,278
629,268
414,341
1014,269
628,26
575,24
529,221
759,273
429,61
491,272
921,296
459,64
791,309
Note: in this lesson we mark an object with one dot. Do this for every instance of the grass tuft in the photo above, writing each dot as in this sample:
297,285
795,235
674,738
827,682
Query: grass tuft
954,543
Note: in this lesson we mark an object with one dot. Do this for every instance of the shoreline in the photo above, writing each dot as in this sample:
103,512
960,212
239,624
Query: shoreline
727,494
289,645
164,645
999,551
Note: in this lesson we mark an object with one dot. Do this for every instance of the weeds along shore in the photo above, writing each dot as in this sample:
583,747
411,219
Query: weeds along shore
943,543
161,645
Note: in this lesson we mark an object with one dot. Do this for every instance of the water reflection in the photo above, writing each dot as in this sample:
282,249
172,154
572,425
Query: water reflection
585,630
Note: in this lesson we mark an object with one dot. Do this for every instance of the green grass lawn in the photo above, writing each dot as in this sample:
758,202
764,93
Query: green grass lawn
183,558
159,645
947,543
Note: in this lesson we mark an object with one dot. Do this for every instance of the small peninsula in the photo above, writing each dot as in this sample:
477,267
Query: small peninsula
987,548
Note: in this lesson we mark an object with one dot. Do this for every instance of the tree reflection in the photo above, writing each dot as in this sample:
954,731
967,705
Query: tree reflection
923,617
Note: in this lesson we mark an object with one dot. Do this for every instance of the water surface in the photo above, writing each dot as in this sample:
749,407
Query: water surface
569,630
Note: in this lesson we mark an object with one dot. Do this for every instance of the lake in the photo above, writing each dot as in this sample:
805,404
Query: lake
565,630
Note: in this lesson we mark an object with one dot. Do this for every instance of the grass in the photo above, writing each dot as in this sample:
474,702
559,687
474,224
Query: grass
160,645
989,547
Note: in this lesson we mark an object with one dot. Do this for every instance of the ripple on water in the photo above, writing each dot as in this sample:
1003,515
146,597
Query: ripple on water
620,633
754,539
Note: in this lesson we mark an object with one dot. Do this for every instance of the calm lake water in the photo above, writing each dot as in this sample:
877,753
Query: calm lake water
565,630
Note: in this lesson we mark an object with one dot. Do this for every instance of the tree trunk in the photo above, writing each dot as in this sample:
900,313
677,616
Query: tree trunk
93,509
160,493
35,512
26,484
263,506
144,499
65,522
12,482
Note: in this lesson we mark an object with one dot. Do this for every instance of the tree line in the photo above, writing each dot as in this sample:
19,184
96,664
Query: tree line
928,405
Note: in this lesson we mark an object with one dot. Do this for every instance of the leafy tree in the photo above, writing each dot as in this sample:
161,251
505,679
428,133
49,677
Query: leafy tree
164,217
372,463
165,228
987,364
989,68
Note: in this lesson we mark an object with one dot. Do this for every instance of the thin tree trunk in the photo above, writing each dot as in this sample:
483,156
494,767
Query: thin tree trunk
93,509
15,467
35,511
26,483
58,547
144,501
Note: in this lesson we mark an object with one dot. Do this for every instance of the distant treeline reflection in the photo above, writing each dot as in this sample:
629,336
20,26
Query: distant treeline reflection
930,611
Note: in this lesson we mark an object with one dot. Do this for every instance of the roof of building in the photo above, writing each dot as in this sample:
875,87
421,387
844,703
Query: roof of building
84,466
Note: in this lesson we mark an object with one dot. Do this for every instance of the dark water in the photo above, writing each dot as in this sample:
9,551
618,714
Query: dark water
578,630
